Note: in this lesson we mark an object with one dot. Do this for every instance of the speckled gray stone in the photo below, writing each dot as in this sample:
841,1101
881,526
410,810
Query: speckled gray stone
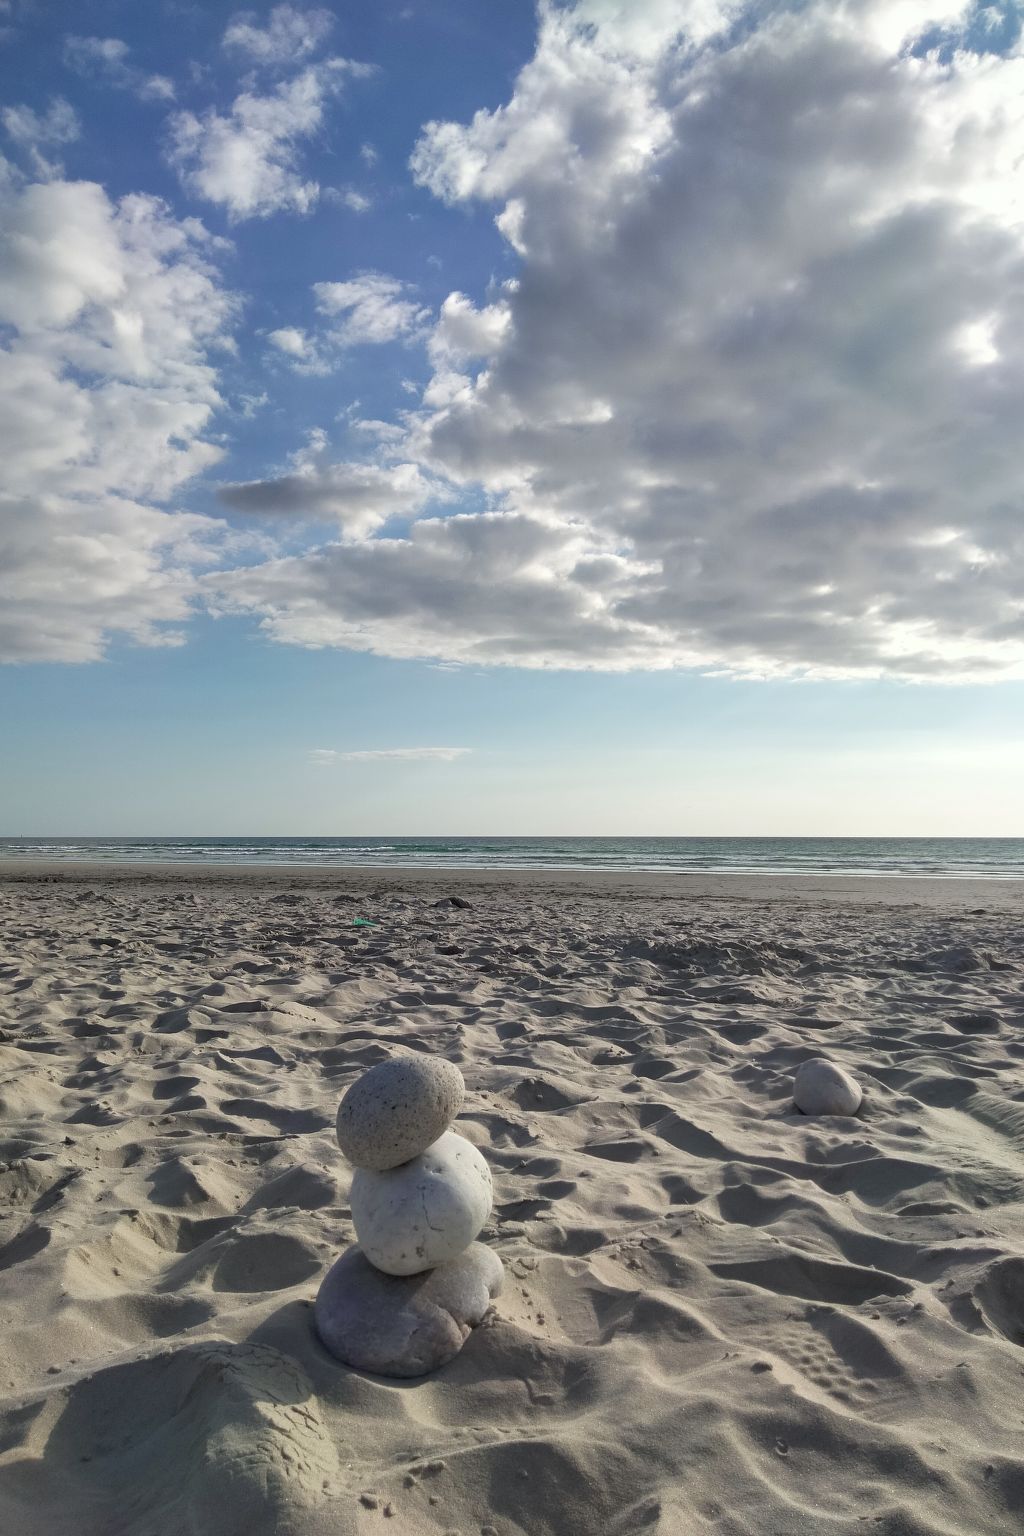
822,1088
424,1213
397,1109
404,1326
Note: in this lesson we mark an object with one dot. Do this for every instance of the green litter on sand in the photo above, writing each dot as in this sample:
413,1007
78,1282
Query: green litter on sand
363,922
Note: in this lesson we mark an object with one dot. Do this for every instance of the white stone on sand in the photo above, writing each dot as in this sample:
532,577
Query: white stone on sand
822,1088
425,1212
397,1109
404,1325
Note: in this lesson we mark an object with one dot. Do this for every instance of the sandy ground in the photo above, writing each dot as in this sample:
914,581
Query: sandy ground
719,1317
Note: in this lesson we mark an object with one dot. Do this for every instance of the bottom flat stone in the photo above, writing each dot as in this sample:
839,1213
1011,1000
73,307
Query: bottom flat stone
404,1325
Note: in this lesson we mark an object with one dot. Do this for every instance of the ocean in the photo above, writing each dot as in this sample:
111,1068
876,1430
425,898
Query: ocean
1000,858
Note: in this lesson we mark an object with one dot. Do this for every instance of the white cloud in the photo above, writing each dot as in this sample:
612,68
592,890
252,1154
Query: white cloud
463,331
643,31
584,116
766,338
154,88
371,309
106,392
752,402
324,757
493,588
108,59
33,132
74,573
374,309
249,160
107,55
250,404
305,353
359,497
350,198
289,36
296,343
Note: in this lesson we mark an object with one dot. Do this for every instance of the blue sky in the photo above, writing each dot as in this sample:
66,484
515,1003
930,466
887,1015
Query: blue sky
457,417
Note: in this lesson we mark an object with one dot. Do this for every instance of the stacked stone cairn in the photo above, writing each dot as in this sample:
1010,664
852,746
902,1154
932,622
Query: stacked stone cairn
403,1300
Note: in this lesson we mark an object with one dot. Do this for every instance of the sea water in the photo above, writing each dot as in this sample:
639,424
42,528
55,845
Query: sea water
957,857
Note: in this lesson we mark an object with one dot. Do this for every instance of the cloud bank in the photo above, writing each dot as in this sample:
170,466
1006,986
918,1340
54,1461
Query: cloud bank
753,399
750,400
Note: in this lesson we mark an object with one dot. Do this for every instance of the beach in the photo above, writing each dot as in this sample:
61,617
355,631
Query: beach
719,1316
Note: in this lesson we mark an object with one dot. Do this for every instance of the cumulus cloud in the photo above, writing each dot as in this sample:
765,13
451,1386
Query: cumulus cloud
359,497
34,132
763,351
751,402
109,313
304,353
249,160
324,757
73,573
109,59
293,342
290,35
491,588
372,308
463,331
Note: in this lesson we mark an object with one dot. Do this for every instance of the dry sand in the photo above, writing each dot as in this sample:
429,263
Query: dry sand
719,1317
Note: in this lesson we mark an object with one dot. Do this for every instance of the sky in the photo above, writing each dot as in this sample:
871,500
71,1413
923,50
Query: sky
460,416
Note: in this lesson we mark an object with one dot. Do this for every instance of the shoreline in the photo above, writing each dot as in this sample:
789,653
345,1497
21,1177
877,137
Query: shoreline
933,892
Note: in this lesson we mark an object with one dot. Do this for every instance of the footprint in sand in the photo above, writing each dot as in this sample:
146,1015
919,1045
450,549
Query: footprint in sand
846,1364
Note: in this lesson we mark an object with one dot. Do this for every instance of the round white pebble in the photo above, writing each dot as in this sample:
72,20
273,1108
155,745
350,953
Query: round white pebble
427,1211
822,1088
397,1109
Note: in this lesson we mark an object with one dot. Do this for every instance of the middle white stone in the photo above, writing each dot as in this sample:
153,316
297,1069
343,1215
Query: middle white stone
424,1212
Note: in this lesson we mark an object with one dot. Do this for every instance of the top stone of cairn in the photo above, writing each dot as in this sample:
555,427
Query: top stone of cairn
398,1109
